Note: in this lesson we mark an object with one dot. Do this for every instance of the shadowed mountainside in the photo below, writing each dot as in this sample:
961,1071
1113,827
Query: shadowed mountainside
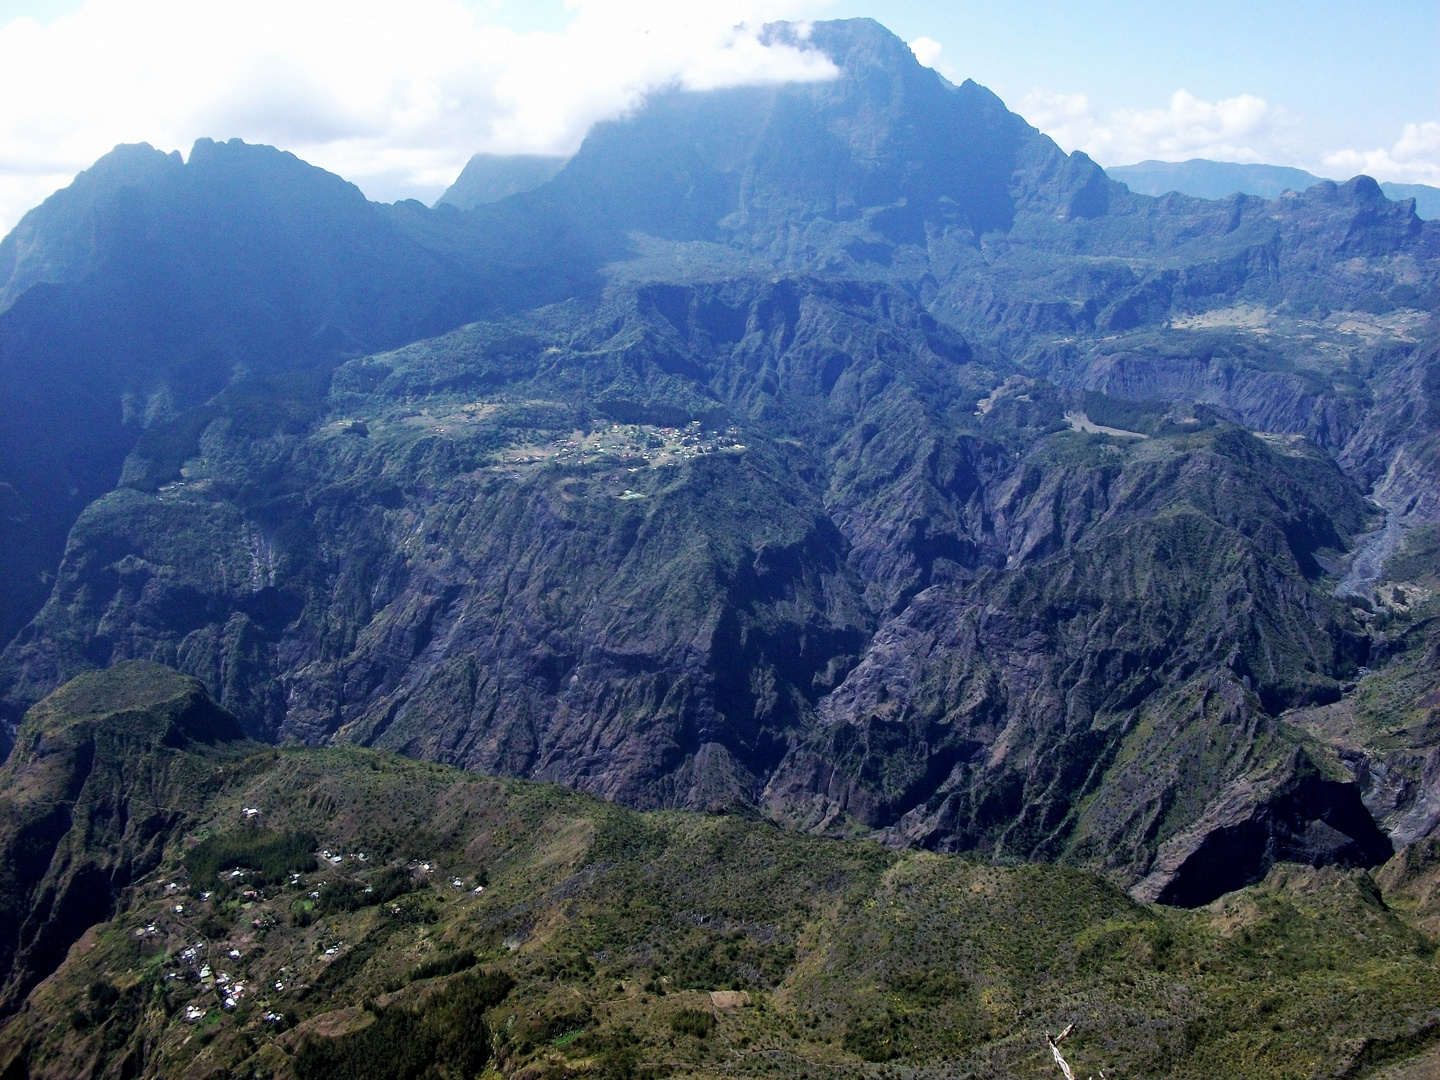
843,449
748,535
166,281
141,290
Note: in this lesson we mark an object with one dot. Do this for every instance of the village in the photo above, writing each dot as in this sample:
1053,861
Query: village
631,446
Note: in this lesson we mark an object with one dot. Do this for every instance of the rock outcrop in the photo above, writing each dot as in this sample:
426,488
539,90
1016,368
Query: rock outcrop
1294,815
100,778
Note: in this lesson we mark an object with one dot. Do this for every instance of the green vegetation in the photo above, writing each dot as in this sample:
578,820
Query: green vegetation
697,1022
462,960
445,1035
881,1039
782,516
1418,560
268,855
1143,416
596,945
351,894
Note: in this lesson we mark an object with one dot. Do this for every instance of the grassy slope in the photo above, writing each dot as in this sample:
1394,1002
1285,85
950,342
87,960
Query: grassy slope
611,922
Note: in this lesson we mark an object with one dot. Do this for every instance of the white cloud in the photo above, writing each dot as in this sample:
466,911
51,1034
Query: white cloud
393,95
926,50
1414,159
1243,128
931,54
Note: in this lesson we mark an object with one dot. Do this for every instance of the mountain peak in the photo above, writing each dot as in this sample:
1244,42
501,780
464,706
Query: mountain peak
58,241
853,43
488,178
137,697
880,150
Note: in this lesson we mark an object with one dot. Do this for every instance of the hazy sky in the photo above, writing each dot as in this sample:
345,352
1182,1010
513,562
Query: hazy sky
396,95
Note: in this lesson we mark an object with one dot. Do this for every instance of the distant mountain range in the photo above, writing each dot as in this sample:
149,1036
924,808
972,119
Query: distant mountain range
843,454
1217,179
488,178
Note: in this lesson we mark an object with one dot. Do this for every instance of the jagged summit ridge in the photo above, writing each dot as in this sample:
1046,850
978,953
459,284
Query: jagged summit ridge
884,148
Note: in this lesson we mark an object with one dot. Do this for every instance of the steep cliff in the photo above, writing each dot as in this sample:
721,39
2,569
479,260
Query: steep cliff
103,773
843,449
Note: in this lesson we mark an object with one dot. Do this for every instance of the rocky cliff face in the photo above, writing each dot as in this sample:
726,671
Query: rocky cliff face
876,463
838,584
138,292
101,776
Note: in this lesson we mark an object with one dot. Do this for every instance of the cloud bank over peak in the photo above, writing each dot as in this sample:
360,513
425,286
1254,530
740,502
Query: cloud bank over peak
1414,159
1243,129
927,51
395,97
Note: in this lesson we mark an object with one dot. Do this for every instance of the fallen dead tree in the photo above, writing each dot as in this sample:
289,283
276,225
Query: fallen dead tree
1055,1041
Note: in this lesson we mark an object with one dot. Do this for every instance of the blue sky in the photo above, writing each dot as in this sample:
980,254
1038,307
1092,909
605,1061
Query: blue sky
1333,87
1351,74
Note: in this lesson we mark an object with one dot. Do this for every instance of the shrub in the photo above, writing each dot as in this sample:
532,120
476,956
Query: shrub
102,998
444,965
877,1040
695,1022
928,986
347,894
543,1028
1125,415
270,855
445,1035
390,884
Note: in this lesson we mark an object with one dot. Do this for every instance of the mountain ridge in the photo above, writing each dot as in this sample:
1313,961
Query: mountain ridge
845,450
489,178
1207,179
308,911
